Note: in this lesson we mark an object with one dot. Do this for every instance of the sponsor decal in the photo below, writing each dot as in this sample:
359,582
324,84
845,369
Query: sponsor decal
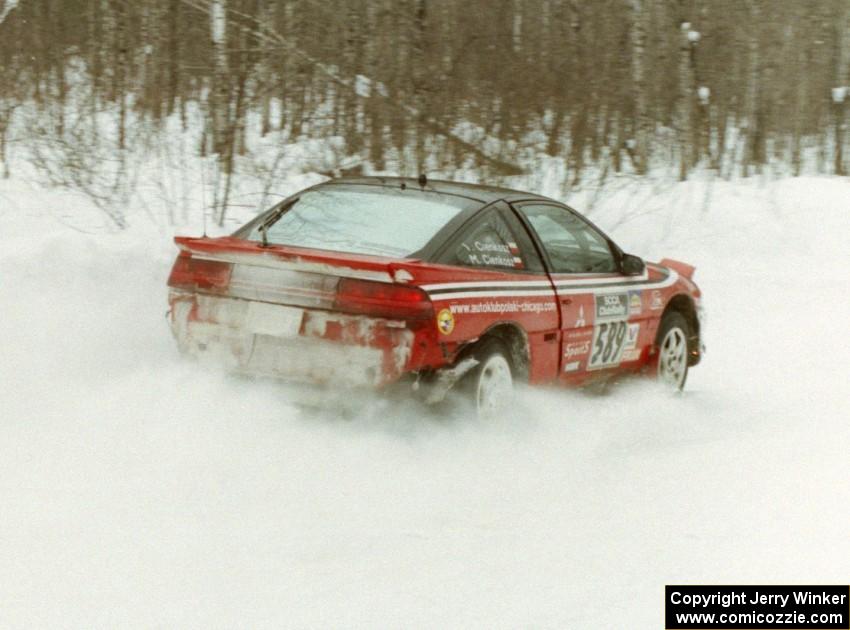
612,306
632,336
572,366
580,323
445,321
576,349
635,304
656,302
503,307
582,333
630,355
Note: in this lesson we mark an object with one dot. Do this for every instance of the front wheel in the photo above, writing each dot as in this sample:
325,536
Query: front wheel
490,383
673,350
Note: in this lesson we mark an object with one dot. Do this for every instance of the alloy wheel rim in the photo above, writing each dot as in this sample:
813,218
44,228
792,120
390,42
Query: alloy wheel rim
672,364
494,386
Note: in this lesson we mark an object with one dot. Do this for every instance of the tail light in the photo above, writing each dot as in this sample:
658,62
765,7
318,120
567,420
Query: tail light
199,273
382,299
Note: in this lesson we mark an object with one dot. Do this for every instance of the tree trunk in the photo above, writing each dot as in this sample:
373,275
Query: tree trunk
220,92
174,50
754,153
640,20
685,102
841,91
420,79
5,116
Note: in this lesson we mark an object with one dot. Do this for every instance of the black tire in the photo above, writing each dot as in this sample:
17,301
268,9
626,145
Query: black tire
672,345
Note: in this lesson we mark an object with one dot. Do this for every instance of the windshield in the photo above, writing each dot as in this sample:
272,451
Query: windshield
362,220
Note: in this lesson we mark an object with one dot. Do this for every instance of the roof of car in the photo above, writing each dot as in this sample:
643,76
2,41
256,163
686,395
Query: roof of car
480,192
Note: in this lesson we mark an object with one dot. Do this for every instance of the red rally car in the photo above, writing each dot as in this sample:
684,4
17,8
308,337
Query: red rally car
376,281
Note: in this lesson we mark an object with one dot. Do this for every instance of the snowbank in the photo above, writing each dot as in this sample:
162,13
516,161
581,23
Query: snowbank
140,490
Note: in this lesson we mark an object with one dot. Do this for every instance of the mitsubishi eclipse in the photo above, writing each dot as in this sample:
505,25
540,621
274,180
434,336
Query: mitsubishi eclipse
432,286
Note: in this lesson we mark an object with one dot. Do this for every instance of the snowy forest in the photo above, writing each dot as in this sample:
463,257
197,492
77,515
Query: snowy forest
734,87
142,489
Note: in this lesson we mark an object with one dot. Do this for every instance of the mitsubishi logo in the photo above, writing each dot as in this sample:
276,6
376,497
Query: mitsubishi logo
580,323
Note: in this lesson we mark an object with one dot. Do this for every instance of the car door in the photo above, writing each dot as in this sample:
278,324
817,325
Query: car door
499,278
599,314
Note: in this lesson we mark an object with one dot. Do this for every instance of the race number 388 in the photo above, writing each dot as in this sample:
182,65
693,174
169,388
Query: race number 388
609,339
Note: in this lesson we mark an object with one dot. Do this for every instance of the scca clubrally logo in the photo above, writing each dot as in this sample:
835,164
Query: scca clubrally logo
445,321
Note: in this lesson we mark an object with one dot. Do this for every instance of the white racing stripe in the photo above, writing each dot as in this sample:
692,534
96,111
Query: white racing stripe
644,277
620,288
490,294
483,285
513,288
584,279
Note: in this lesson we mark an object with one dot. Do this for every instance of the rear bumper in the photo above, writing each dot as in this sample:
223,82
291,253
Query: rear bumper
293,343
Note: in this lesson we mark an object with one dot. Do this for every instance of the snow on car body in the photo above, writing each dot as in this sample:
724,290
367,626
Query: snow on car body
373,281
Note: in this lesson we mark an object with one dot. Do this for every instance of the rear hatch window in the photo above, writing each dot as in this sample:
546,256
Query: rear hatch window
361,219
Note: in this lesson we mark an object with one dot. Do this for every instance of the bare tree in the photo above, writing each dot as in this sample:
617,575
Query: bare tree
642,123
841,90
410,84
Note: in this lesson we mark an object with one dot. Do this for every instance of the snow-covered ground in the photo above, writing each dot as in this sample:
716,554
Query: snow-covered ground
139,490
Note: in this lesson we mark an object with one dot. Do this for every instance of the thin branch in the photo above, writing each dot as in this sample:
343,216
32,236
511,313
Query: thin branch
265,33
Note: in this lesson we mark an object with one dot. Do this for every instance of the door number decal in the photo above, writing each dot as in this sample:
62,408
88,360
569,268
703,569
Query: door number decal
609,340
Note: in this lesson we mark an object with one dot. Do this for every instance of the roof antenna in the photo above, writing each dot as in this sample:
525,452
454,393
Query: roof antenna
423,181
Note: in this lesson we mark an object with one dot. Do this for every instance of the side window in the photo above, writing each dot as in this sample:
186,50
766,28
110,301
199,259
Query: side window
572,245
489,244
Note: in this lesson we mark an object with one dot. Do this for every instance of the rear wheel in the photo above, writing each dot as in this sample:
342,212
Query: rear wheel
490,384
673,350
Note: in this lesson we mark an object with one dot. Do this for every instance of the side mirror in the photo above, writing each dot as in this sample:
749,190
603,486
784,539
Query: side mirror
631,265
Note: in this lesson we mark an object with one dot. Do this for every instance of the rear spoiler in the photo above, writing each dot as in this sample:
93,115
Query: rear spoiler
683,269
234,250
